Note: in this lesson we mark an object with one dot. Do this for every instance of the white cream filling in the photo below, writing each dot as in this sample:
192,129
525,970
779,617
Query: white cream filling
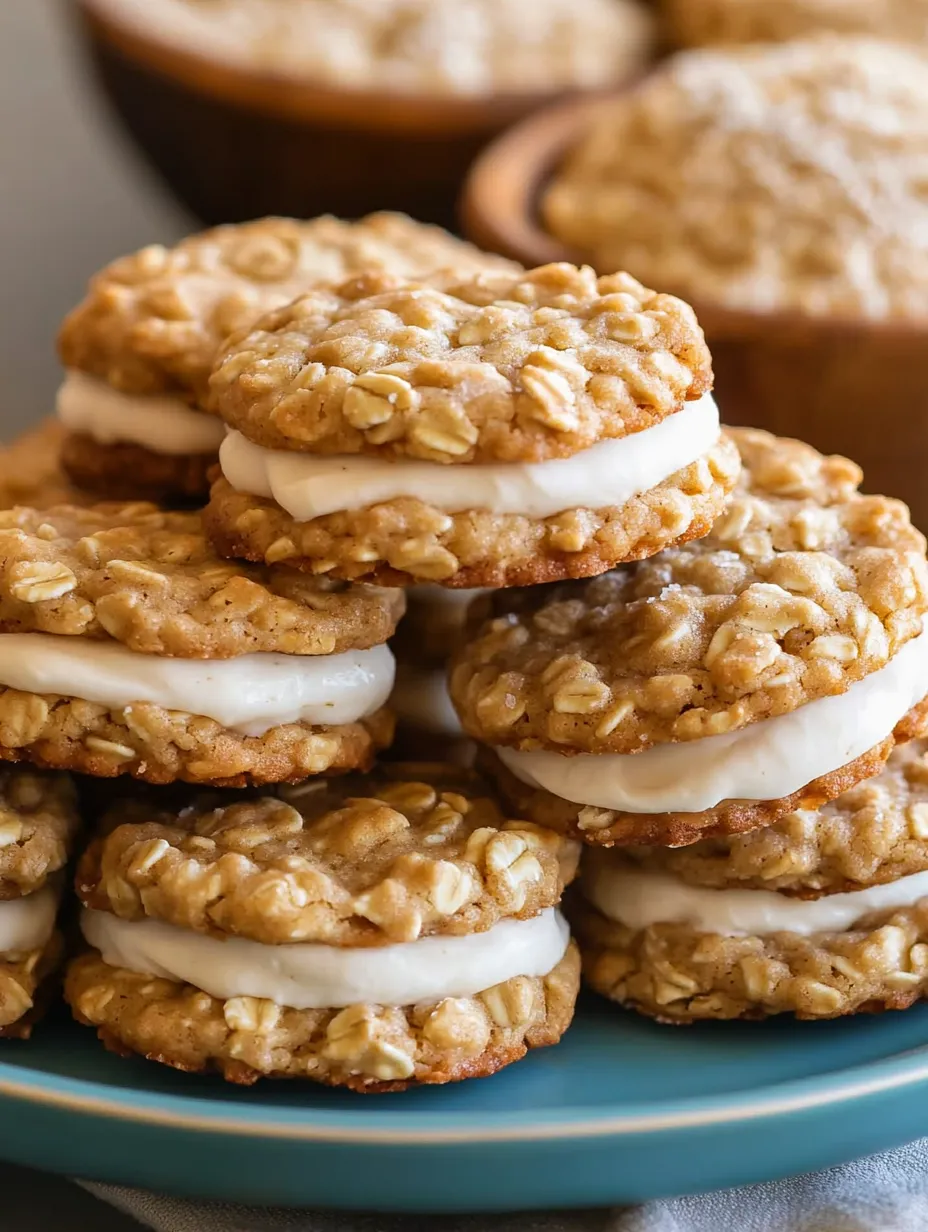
607,474
306,976
27,923
249,694
162,424
766,760
638,898
420,698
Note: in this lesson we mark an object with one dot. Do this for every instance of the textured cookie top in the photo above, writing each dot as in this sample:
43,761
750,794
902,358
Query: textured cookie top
780,177
39,820
510,367
803,587
151,322
775,21
150,579
453,47
408,851
874,833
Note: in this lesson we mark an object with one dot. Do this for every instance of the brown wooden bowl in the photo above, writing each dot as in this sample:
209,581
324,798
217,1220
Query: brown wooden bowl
856,387
235,143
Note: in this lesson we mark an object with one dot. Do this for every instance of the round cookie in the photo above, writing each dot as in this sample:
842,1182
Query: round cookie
119,627
39,821
504,429
383,901
822,915
716,687
139,347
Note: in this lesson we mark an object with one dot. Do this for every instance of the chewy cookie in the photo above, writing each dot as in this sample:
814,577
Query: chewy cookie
372,932
496,430
823,914
722,684
39,821
139,348
128,647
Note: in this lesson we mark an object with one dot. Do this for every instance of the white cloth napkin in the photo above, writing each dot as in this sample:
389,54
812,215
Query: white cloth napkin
884,1193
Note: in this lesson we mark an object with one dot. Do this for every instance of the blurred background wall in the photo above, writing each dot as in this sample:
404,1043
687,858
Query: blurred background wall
72,196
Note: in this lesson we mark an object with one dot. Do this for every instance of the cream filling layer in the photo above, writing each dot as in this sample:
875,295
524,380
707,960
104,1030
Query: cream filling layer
305,976
162,424
249,694
420,698
766,760
639,898
27,923
607,474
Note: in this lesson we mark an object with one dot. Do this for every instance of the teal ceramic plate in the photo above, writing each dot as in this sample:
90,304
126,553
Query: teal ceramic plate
622,1110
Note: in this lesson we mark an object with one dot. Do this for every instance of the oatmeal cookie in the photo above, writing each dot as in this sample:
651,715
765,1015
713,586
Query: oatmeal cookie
803,588
134,574
780,178
497,367
151,322
872,834
122,470
405,541
676,974
368,1048
409,851
779,21
39,821
159,745
27,983
607,827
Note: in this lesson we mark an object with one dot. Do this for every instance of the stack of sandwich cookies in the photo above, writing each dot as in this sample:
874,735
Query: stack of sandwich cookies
128,647
823,914
372,932
494,430
722,684
39,821
139,348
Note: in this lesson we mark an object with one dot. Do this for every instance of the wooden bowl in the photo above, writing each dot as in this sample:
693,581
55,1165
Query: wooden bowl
235,143
850,386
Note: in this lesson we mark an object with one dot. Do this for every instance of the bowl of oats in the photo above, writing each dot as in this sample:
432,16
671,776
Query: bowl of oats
252,107
779,189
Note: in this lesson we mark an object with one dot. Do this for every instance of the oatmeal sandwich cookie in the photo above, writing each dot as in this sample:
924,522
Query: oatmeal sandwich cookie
128,647
496,430
138,349
823,914
722,684
374,933
39,821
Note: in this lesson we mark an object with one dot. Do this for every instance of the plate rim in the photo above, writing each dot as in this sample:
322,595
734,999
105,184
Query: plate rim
187,1112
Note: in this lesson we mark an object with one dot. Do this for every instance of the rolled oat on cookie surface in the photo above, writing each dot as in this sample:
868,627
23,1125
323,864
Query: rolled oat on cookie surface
502,429
128,647
821,915
139,347
721,684
378,932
